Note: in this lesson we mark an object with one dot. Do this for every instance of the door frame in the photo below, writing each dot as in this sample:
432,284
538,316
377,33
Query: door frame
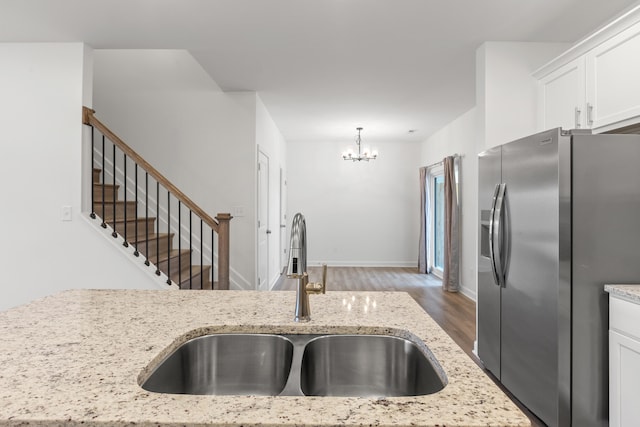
263,158
283,221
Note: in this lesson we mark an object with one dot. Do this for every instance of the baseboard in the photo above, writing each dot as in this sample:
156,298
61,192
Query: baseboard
468,293
407,264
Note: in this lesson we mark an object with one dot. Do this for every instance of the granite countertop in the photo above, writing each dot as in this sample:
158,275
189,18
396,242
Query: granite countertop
76,358
630,293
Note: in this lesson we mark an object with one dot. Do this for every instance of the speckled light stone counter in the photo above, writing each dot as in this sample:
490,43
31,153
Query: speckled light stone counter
630,293
77,357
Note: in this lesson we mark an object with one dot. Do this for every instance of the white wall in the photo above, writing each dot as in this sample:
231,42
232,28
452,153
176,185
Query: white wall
460,136
42,87
167,108
505,89
270,141
357,214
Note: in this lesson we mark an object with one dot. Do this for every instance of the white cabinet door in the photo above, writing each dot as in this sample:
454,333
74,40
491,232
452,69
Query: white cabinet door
624,380
613,80
561,97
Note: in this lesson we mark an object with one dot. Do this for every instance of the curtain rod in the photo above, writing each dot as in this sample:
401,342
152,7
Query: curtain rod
441,161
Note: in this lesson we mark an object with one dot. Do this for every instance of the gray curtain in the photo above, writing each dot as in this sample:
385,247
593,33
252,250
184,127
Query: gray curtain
451,273
423,246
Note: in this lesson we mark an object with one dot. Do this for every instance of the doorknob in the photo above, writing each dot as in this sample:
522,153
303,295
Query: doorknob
268,231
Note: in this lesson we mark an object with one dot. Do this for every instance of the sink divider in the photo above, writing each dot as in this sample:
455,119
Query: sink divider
293,386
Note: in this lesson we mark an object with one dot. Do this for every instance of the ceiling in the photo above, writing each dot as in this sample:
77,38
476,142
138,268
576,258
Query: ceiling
322,67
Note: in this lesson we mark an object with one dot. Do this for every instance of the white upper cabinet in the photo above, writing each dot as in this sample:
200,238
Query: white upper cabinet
595,84
561,97
613,80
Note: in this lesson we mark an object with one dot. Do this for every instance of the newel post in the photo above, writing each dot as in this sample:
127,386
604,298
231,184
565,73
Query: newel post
223,250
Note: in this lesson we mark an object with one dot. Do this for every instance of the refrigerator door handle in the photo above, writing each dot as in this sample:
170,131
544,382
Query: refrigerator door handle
492,224
497,235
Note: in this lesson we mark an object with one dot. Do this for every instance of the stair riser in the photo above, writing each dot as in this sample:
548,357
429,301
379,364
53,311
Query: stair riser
131,227
162,243
120,207
96,175
108,193
175,266
195,275
206,284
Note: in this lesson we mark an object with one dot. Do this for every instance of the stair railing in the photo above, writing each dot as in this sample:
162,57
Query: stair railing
201,245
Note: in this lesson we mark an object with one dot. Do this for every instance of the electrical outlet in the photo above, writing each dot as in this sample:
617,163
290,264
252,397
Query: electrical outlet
66,213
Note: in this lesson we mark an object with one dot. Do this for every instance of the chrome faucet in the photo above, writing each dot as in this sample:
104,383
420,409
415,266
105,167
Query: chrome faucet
297,269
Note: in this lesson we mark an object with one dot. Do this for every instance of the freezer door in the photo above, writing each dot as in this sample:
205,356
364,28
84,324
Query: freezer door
529,327
488,304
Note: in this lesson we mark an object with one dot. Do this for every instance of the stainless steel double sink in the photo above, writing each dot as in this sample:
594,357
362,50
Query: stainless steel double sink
296,365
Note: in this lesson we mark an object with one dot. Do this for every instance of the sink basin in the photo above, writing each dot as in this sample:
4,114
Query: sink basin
366,366
225,364
296,365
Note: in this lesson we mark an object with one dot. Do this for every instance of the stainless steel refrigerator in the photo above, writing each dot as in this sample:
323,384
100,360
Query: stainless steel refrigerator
559,218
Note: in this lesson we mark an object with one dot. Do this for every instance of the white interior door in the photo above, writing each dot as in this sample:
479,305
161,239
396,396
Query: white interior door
263,221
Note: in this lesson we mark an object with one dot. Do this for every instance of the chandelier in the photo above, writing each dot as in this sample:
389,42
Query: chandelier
366,156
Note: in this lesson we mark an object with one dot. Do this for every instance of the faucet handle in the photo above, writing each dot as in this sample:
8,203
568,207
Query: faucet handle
324,278
317,288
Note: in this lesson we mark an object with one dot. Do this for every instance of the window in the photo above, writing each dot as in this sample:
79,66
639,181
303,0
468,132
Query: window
435,219
433,232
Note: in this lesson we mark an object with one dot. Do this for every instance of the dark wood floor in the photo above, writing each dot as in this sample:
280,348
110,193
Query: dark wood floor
454,312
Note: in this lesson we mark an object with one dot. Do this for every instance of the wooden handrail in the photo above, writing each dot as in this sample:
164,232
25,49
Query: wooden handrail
88,118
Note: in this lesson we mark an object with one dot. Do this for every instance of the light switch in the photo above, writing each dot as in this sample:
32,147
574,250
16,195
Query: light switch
237,211
66,213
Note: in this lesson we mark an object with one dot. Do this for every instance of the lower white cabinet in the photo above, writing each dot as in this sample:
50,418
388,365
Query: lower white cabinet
624,363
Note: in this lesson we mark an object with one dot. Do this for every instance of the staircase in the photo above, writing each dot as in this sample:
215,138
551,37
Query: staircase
173,246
